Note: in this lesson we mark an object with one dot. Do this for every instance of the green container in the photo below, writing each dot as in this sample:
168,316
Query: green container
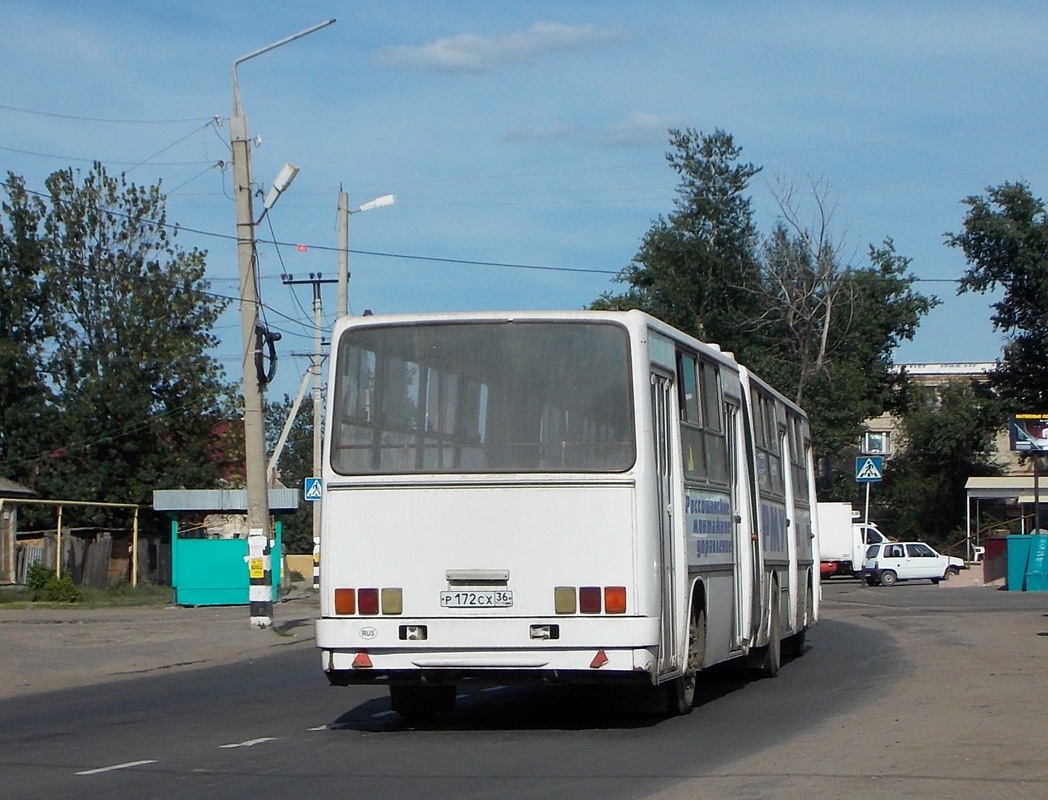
214,572
1036,582
1037,565
1018,556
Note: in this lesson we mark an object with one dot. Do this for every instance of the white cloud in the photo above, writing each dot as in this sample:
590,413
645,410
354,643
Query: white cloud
642,129
468,52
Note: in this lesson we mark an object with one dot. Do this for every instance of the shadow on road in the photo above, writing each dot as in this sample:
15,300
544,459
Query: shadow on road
551,707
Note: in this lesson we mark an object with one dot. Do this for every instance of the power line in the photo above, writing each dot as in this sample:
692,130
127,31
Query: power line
207,124
93,160
114,434
416,257
99,119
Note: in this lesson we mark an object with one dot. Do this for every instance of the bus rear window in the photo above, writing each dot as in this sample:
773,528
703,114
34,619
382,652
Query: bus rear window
483,397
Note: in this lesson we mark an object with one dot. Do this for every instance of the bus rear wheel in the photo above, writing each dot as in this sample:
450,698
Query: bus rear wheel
772,654
794,645
415,700
681,691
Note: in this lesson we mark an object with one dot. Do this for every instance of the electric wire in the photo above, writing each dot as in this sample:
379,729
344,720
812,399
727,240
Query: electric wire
99,119
178,141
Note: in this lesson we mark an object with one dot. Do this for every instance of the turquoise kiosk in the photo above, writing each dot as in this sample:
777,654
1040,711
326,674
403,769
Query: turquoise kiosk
211,571
1027,563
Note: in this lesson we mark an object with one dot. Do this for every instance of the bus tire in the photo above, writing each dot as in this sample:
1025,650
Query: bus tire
414,700
794,645
681,691
772,656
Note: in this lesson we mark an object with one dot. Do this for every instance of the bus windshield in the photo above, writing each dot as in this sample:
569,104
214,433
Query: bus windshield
461,397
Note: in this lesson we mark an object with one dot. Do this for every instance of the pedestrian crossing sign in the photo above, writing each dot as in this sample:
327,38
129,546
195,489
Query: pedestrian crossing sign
314,489
868,469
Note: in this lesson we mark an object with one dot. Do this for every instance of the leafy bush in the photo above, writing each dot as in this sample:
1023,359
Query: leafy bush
44,585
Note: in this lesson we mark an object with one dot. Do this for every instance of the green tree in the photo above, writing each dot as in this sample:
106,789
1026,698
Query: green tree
26,407
1005,242
948,435
829,336
696,268
821,330
127,351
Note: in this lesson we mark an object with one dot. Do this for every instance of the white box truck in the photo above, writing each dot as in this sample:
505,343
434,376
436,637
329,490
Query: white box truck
843,539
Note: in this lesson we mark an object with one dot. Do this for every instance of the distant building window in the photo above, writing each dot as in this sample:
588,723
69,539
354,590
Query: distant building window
876,442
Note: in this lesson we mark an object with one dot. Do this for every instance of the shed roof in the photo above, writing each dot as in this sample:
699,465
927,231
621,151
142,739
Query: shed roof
12,489
213,500
1010,487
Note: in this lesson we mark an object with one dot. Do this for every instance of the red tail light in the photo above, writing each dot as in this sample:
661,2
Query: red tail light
367,601
589,599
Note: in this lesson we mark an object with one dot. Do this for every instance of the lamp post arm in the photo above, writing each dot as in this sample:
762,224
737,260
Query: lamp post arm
237,109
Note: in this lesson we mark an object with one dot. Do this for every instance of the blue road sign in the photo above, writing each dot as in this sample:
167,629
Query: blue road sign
314,489
868,469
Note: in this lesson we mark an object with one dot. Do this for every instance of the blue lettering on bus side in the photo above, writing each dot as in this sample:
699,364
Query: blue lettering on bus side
706,547
802,530
709,521
773,528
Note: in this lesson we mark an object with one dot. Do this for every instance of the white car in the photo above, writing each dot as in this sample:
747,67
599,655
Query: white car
888,562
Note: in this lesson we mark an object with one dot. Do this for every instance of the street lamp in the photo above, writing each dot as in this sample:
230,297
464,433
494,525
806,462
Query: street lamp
280,184
343,253
260,592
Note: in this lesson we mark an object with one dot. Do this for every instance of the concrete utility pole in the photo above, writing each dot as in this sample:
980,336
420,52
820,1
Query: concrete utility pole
317,365
343,237
343,254
260,592
316,370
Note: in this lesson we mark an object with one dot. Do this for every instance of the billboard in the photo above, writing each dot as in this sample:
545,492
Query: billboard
1028,433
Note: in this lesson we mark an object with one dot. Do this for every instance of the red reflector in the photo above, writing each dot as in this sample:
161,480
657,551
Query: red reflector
362,661
589,599
599,660
345,601
615,599
367,601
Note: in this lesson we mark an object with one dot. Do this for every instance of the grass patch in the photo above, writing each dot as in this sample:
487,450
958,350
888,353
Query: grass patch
124,594
43,588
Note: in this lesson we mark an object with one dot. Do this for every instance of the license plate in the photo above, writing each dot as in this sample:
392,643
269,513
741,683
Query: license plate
464,599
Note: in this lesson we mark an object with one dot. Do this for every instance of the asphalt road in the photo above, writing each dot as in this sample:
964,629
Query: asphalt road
907,692
272,728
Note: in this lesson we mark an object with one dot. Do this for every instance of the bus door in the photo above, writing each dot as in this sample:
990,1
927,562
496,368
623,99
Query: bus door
792,525
740,537
754,569
662,436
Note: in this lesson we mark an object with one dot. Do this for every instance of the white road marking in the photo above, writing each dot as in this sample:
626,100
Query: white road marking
128,765
248,743
318,728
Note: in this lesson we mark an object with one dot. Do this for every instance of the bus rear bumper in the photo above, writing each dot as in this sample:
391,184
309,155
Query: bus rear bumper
596,665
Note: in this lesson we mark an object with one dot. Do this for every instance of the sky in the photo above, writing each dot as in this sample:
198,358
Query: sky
526,142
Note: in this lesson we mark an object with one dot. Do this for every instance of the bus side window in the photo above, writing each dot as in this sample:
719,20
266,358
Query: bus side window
687,387
716,444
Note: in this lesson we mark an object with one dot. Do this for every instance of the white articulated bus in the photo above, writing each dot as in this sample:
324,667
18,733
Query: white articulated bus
570,497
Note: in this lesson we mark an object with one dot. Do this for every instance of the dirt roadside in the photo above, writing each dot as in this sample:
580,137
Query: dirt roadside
968,722
44,649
